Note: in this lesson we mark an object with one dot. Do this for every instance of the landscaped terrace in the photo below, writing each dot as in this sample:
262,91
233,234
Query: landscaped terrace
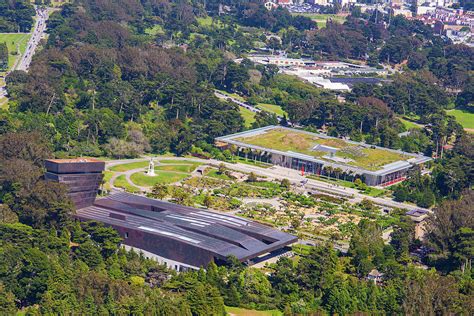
288,140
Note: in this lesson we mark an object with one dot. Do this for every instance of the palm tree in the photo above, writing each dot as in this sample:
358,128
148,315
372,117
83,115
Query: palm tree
233,149
257,153
247,152
328,170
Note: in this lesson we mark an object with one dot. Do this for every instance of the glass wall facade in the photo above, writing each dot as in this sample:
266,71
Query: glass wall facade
306,166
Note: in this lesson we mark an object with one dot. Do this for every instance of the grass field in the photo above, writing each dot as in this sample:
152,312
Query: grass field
466,119
121,182
129,166
288,140
177,168
214,173
409,124
321,19
3,103
252,162
272,108
14,42
107,176
156,29
237,311
165,177
233,95
249,116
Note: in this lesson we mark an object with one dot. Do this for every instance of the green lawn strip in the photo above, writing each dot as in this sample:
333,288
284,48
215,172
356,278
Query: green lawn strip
191,164
265,184
272,108
3,103
154,30
214,173
237,311
321,19
14,40
209,22
341,182
301,249
121,182
233,95
252,162
163,177
107,176
409,124
129,166
248,116
176,168
371,191
465,118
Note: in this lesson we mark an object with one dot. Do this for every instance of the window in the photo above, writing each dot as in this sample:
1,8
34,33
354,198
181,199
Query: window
126,235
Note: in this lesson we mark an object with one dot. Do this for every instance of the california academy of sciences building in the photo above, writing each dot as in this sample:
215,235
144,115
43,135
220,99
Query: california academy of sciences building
320,154
180,237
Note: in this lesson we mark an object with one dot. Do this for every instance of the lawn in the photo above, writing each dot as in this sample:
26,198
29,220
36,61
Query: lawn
14,42
214,173
465,118
410,124
321,19
237,311
194,164
121,182
107,176
289,140
129,166
249,116
3,103
232,95
252,162
209,22
156,29
370,191
177,168
164,177
272,108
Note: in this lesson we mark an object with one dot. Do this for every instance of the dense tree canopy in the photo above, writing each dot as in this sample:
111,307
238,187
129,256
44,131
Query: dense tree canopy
16,16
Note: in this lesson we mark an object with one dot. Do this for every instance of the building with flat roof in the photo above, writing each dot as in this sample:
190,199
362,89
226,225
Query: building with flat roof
82,176
320,154
180,237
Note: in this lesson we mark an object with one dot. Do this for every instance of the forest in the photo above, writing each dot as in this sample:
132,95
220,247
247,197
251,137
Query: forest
128,77
106,84
52,264
16,16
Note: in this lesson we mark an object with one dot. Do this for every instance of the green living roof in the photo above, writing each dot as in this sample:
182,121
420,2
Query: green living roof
345,152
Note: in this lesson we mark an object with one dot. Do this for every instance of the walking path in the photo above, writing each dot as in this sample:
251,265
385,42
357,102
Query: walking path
278,173
130,172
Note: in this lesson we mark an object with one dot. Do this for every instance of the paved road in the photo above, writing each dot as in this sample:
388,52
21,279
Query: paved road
277,173
243,104
24,62
38,33
236,101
